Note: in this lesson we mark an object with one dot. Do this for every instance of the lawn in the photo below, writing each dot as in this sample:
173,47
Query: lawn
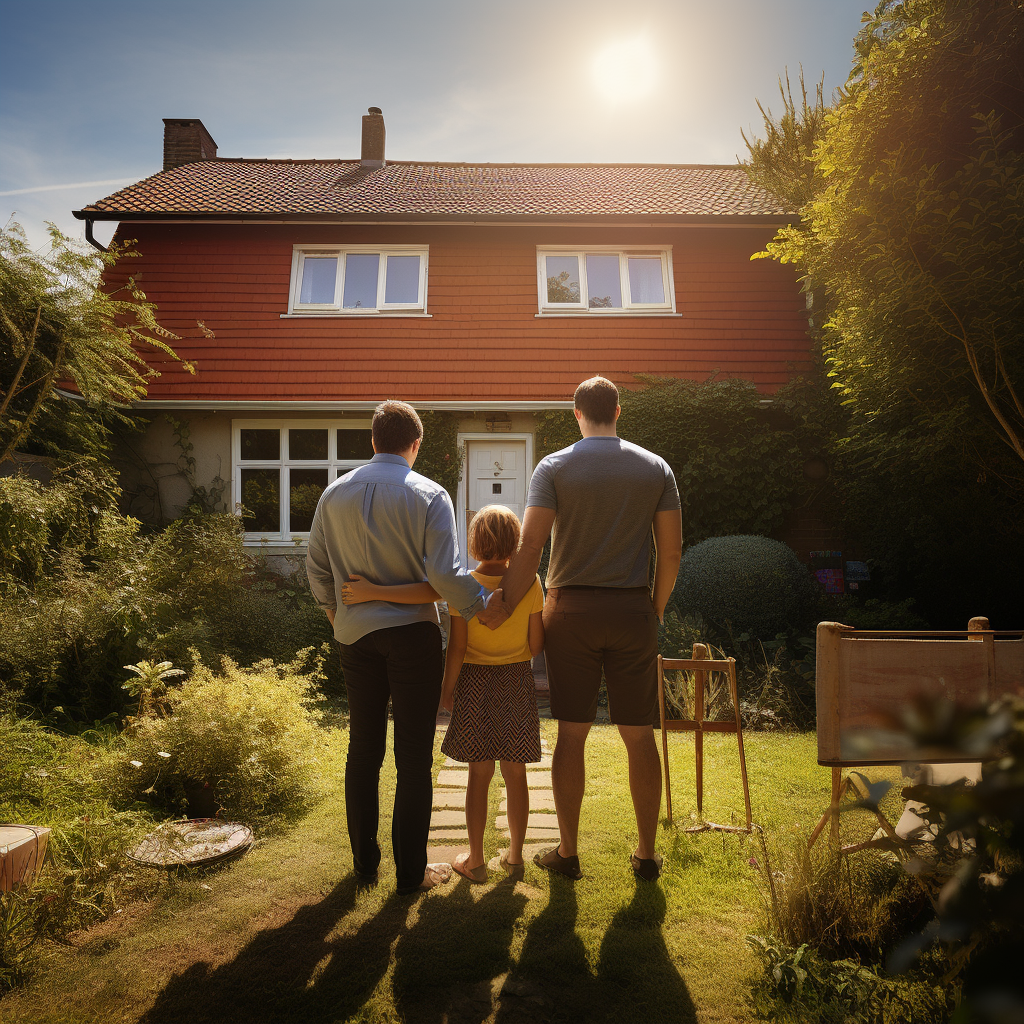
286,934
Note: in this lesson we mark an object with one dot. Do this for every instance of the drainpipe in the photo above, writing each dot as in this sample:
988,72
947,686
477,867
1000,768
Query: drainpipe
89,236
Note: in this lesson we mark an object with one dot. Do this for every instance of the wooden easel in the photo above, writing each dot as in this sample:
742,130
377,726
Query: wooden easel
700,665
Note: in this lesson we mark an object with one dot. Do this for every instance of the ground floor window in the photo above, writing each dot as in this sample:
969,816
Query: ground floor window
281,467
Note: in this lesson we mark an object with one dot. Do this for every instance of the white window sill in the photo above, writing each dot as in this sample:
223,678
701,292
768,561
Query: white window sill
276,545
354,316
586,314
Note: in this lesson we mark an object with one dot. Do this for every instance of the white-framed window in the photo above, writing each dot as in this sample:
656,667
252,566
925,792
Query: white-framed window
281,467
605,279
358,280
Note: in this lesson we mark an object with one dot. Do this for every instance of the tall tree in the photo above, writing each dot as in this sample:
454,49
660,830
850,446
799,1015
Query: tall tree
59,329
915,230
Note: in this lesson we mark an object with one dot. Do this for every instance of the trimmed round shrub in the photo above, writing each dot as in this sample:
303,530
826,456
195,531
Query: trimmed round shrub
753,584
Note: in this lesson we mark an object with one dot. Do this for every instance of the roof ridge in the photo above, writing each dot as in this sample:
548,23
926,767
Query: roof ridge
455,163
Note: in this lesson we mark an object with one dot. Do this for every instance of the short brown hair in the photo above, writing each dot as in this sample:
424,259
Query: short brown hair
396,427
596,400
494,534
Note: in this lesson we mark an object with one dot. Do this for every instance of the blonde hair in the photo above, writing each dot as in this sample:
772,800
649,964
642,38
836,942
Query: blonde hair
494,534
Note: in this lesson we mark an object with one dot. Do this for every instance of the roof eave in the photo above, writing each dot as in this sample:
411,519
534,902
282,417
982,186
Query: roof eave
469,218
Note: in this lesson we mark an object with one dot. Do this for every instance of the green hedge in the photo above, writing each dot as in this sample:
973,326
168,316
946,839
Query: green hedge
738,458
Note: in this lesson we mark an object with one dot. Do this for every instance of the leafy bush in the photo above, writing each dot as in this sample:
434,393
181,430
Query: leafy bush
752,584
249,733
828,925
54,780
90,593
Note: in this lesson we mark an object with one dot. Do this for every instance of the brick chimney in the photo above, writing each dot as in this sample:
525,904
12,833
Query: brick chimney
186,141
372,154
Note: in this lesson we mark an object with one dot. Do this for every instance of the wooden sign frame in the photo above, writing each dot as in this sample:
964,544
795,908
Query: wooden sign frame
701,665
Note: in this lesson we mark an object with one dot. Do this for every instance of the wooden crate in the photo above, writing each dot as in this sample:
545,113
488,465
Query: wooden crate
22,850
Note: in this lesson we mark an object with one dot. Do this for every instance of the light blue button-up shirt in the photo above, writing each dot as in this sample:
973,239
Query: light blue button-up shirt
389,525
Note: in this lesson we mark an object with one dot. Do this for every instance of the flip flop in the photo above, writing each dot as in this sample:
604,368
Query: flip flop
501,863
648,870
476,875
552,860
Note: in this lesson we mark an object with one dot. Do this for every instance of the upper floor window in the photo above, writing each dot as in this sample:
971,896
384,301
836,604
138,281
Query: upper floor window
358,280
281,468
605,279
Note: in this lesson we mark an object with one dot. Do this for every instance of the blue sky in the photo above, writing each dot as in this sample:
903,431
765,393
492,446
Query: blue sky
83,86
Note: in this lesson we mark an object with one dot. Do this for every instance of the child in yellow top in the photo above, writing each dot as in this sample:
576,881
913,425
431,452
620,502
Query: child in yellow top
489,688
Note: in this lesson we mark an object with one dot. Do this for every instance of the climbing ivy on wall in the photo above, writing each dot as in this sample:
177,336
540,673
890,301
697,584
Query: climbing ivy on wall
440,455
738,460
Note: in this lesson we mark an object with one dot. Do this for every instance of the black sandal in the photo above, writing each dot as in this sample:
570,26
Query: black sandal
648,870
552,860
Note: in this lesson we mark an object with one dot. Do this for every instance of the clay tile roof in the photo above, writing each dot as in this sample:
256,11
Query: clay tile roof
341,188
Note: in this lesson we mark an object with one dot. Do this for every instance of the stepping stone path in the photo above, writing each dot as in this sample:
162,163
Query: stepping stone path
448,835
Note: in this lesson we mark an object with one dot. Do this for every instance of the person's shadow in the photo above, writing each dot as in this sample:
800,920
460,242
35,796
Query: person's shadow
275,978
439,975
635,977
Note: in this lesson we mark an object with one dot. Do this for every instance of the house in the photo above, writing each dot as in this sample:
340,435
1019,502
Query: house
306,291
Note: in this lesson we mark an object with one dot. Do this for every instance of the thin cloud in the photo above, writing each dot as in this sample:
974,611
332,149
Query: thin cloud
67,185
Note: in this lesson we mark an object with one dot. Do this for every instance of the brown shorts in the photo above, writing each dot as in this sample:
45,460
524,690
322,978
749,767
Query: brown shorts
587,629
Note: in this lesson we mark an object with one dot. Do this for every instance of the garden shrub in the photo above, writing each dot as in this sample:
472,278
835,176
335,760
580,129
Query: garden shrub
738,461
54,780
250,733
753,585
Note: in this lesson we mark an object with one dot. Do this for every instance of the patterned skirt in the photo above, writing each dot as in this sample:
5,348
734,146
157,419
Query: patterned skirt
494,715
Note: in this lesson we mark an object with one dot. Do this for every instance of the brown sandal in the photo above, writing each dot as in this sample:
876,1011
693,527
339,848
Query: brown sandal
476,875
552,860
501,863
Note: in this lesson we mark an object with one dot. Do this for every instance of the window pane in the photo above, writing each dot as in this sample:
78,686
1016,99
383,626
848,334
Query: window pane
355,444
261,445
604,288
319,275
305,488
261,500
307,444
563,278
645,281
361,280
402,284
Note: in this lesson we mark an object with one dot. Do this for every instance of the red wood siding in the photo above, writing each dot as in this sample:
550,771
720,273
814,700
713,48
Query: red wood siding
483,340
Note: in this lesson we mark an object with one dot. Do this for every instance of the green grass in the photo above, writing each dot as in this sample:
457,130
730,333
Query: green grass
286,935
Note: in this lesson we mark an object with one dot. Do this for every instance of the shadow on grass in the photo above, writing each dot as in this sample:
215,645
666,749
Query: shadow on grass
635,977
452,964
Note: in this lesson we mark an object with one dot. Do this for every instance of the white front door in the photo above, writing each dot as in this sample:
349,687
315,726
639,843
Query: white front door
496,474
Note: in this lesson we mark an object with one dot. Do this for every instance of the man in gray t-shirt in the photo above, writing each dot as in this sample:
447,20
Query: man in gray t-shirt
600,500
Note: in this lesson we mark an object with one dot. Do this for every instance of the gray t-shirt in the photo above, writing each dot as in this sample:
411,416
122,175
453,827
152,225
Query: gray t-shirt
605,492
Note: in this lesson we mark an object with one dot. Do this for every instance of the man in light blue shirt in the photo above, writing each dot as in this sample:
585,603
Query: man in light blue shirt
389,525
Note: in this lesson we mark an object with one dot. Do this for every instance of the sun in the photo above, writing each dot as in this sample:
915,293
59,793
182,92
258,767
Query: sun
625,70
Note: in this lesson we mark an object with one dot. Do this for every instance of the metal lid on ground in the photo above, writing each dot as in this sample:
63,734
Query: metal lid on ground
195,843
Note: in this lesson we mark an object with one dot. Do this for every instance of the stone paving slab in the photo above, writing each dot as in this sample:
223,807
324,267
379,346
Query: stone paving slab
540,800
544,762
450,798
447,819
449,763
538,780
452,778
536,821
448,835
533,832
444,854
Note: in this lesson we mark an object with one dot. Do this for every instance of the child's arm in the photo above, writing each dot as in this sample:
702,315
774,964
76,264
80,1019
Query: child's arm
536,633
458,637
357,590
